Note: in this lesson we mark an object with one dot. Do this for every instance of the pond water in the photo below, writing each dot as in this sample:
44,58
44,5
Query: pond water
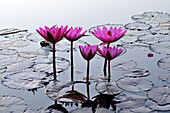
142,82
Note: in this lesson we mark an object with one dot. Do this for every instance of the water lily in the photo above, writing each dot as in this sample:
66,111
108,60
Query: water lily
108,36
73,35
88,52
109,53
150,54
53,35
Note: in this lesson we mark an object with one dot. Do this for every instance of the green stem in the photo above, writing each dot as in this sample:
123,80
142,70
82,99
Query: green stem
72,78
108,70
54,63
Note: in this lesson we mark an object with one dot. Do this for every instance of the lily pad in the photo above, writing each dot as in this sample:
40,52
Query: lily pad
160,94
26,80
138,110
164,78
89,110
12,104
153,105
164,63
134,84
109,88
137,26
28,54
45,51
137,72
8,51
61,63
8,31
163,30
137,46
123,65
130,101
162,47
34,37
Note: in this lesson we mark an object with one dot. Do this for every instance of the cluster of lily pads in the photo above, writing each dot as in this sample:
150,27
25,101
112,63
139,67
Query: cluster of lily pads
29,67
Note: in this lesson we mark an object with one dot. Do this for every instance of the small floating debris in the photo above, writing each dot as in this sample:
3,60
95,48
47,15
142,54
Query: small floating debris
134,84
12,104
137,72
123,65
109,88
160,94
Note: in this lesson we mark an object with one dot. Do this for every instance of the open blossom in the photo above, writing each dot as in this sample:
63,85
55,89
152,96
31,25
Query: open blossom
88,52
53,34
108,36
110,53
74,34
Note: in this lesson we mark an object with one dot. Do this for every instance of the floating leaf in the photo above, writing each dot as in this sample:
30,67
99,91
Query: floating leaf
10,31
12,104
134,84
164,78
45,51
137,72
163,30
2,69
8,51
164,63
123,65
89,110
29,111
137,26
160,94
153,105
130,101
161,47
20,66
34,37
28,54
137,46
109,88
26,80
96,78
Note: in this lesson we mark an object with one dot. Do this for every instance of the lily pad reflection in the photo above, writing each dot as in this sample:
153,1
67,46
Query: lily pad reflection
12,104
109,88
137,72
134,84
26,80
123,65
153,105
160,94
164,78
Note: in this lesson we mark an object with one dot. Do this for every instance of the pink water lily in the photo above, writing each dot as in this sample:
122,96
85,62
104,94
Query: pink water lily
88,52
74,34
110,53
109,35
53,34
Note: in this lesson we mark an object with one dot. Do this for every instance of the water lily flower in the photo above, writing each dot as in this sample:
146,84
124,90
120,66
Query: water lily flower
150,54
108,36
53,35
73,35
109,53
88,52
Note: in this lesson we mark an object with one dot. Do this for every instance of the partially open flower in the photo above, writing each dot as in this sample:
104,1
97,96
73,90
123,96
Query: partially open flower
110,53
88,52
150,55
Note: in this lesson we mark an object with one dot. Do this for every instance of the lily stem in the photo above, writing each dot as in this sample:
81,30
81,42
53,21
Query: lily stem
87,79
105,63
108,70
54,63
72,78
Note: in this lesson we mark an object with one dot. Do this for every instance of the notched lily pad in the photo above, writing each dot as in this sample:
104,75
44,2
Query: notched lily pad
109,88
164,78
153,105
164,63
137,72
123,65
26,80
8,51
130,101
160,94
28,54
12,104
134,84
137,26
